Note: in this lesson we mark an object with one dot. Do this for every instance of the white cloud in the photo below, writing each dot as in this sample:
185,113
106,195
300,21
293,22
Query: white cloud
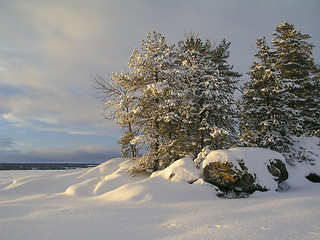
14,120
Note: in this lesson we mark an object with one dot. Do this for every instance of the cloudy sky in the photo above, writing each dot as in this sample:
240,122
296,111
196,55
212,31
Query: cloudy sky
51,49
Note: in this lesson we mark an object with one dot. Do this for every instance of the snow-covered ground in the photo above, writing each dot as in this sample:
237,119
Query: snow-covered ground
105,202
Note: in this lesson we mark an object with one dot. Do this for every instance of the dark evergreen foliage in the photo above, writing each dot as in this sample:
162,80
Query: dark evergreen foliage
281,98
298,72
264,114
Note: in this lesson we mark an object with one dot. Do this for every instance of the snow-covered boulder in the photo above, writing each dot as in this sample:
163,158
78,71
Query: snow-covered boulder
181,170
245,170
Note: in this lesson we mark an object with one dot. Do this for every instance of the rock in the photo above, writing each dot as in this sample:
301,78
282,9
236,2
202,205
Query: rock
313,177
228,177
245,170
278,169
220,174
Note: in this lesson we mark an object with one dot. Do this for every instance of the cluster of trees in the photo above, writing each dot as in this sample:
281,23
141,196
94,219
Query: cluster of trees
282,97
179,99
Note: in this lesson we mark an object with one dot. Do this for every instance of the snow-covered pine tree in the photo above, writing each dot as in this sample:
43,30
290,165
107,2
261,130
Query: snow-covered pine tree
298,71
153,85
264,114
192,64
209,84
228,79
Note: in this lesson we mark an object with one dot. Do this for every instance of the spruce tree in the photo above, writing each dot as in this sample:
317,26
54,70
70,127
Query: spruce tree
298,72
209,86
281,100
263,110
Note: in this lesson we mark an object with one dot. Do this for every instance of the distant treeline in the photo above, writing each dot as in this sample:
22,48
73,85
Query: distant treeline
44,166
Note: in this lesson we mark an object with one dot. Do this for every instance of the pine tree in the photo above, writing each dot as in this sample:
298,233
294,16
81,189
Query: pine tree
299,73
228,80
209,86
152,83
281,99
263,110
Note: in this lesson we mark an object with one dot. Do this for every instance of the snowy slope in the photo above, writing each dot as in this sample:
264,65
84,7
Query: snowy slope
105,202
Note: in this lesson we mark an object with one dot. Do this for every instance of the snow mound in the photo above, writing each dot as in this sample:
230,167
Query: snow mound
169,185
300,171
184,169
158,189
106,168
307,148
83,188
106,177
255,159
40,183
111,182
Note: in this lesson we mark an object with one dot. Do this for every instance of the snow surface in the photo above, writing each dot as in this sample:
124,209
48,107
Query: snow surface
105,202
